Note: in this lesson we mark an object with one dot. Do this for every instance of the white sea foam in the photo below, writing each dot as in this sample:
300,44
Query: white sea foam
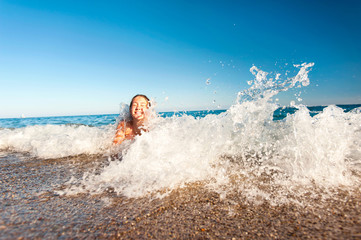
56,141
234,150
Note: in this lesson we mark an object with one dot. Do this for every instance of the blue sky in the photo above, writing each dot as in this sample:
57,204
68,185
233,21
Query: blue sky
86,57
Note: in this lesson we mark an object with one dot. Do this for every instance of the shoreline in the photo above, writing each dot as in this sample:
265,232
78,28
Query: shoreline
31,209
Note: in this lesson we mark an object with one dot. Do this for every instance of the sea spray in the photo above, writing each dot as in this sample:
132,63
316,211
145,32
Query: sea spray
318,146
176,151
56,141
242,149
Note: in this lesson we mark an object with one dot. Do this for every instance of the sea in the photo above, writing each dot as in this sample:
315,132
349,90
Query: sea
256,151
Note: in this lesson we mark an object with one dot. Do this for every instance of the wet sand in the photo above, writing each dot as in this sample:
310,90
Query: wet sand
31,209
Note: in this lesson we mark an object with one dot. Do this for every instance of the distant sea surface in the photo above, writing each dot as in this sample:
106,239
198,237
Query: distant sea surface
106,119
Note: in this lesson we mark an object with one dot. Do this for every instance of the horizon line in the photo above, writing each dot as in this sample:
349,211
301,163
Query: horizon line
175,111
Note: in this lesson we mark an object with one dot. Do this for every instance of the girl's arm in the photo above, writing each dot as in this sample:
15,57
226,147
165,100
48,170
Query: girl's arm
120,134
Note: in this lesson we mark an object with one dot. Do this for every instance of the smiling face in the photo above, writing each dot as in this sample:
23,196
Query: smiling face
139,105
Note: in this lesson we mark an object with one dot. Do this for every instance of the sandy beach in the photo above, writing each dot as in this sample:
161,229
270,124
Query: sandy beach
31,209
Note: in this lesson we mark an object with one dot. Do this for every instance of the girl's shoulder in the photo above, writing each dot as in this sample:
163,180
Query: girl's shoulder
125,125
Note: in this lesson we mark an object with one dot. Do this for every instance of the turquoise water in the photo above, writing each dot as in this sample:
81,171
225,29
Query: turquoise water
106,119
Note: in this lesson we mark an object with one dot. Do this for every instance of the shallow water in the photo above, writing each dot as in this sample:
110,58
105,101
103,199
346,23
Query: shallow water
31,209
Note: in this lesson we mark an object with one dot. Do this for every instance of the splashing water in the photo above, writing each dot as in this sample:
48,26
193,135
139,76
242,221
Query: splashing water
241,150
57,141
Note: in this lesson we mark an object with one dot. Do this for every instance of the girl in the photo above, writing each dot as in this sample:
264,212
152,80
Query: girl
129,129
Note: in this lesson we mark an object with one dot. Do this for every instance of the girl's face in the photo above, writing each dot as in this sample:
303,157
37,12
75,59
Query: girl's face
139,105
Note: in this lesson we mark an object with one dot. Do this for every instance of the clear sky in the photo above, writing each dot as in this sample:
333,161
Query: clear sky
63,57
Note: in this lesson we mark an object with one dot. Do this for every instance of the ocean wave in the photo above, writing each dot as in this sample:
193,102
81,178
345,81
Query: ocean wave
56,141
241,148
